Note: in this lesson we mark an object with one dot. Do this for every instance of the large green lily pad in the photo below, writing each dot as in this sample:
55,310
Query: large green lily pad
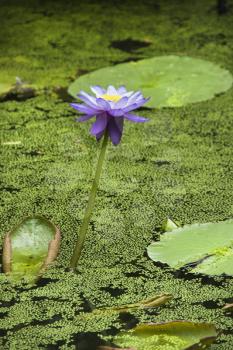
209,245
170,81
30,247
175,335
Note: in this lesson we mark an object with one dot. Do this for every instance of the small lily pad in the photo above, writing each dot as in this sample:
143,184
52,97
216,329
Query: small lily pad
170,81
205,248
30,247
174,335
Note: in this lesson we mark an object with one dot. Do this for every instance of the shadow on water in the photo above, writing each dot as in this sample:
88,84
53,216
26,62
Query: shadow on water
129,45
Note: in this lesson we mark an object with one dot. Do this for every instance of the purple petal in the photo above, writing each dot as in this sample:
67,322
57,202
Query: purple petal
121,103
115,128
135,118
103,104
119,123
88,99
128,94
136,104
143,101
121,90
135,96
98,90
116,112
83,108
99,125
83,118
129,108
111,90
98,136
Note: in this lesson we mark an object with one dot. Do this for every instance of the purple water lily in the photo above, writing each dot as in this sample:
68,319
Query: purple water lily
110,107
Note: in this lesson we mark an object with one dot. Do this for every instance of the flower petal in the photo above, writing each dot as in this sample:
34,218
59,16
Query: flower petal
119,123
136,95
115,130
128,94
100,124
121,103
103,104
98,136
111,90
84,109
98,90
129,108
83,118
135,118
116,112
88,99
121,90
136,104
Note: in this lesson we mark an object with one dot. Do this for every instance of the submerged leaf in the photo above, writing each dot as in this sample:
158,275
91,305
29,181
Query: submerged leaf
207,248
30,247
142,304
170,81
174,335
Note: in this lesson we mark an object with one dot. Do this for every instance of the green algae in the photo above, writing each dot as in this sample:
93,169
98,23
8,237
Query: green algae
153,174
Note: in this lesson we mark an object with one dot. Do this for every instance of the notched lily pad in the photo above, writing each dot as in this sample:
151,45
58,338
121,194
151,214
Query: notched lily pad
29,248
170,81
174,335
205,248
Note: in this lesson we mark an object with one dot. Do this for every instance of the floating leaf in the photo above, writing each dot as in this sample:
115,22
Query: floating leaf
170,81
153,302
142,304
30,247
175,335
209,246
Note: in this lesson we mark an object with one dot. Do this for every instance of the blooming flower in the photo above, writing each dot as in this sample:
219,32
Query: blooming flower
110,107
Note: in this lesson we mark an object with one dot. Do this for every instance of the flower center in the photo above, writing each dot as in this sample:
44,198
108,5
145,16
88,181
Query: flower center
113,98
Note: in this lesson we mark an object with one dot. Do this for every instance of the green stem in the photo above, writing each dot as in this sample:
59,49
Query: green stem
90,205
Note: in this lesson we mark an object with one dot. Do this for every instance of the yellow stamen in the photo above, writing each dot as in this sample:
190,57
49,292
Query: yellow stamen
113,98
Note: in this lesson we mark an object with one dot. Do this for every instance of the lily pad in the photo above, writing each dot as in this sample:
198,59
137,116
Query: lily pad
170,81
175,335
206,248
30,247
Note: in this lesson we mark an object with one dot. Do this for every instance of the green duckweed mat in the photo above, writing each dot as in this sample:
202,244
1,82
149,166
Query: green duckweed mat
178,165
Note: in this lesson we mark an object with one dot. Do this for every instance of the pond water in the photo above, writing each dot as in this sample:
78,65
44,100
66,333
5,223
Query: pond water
178,165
